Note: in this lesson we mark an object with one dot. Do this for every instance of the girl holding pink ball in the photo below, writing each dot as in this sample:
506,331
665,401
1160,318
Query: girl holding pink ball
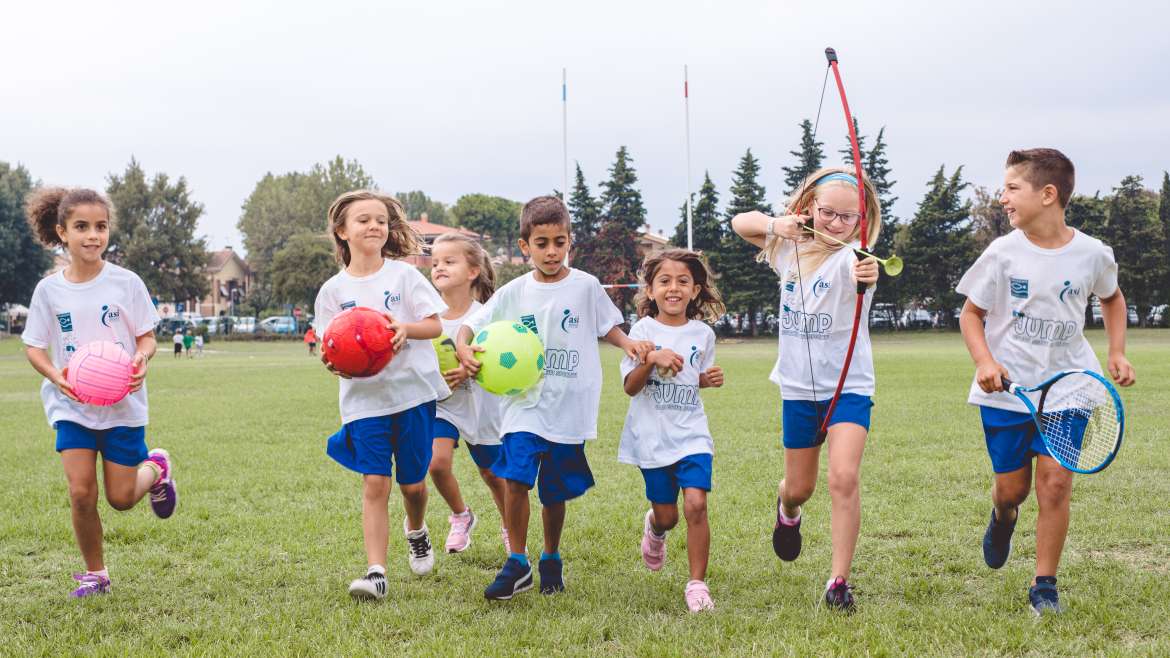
82,324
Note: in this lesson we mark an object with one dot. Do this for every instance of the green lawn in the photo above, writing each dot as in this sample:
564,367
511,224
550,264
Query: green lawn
257,559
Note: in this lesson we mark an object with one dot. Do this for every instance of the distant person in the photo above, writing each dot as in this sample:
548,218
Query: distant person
198,344
178,340
820,278
1046,270
188,341
311,340
93,300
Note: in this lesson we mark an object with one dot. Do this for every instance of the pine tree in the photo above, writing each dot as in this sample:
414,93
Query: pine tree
937,245
707,225
748,286
586,213
876,167
1133,232
25,260
988,218
809,159
616,259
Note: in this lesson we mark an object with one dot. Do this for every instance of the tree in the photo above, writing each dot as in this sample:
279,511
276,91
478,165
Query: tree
876,167
301,266
1164,220
622,217
417,203
620,200
1088,214
586,213
280,207
707,226
1136,238
25,260
490,215
937,245
747,285
808,159
154,233
988,218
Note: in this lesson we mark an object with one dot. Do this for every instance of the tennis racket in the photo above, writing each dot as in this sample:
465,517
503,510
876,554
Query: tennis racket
1079,416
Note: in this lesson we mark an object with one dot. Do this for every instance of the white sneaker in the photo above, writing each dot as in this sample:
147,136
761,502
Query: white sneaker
422,556
370,587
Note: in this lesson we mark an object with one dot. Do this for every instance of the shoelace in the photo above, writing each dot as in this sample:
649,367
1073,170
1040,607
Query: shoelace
158,494
419,546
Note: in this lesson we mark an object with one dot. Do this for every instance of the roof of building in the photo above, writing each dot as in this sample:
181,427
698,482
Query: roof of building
427,229
217,259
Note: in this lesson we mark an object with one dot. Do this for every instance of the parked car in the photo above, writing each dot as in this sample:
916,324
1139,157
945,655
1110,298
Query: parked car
1131,317
243,324
1157,317
172,325
883,316
1095,307
278,324
917,318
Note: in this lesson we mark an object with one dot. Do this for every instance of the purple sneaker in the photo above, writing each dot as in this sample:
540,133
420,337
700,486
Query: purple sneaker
91,584
164,496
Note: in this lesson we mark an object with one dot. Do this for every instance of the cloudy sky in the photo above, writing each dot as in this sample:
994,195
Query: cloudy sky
460,97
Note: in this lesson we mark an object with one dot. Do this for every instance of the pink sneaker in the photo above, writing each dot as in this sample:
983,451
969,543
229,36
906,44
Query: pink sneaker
91,584
459,539
507,543
653,548
698,596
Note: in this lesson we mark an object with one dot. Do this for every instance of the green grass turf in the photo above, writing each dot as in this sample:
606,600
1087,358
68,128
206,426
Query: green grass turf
257,559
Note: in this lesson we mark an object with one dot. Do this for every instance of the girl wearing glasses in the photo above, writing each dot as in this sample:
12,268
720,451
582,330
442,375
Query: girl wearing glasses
819,281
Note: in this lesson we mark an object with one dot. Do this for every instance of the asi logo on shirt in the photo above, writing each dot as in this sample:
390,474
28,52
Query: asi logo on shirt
696,355
820,286
1019,287
569,322
1068,292
391,300
109,315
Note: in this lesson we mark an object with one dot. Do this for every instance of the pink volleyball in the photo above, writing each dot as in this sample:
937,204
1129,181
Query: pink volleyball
99,373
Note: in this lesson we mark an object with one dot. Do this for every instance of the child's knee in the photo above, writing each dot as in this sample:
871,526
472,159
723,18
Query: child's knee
1011,493
413,492
83,496
843,482
1054,489
376,487
797,493
665,517
695,509
120,501
440,464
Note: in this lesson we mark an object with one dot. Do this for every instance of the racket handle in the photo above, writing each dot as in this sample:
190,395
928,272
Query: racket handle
1007,384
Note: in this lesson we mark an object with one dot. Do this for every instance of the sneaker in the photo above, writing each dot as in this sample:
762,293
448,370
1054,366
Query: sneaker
1042,596
459,539
512,579
91,584
839,595
422,556
698,596
653,548
507,543
786,537
370,587
164,495
997,541
552,579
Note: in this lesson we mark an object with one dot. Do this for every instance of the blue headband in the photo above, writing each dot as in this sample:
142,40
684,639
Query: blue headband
836,176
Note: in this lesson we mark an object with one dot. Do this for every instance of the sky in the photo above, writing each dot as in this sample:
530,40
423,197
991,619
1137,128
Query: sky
461,97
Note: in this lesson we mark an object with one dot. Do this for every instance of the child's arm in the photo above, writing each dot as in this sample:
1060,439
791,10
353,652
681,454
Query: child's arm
425,329
145,348
753,227
1113,313
712,378
635,349
39,358
636,380
988,372
466,351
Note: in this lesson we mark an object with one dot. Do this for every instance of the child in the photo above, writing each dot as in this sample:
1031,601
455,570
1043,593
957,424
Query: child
188,340
199,344
1042,272
178,341
666,433
545,429
463,275
92,300
388,418
818,299
311,340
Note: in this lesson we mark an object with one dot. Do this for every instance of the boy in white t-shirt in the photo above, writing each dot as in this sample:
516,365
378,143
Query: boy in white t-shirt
1024,319
545,429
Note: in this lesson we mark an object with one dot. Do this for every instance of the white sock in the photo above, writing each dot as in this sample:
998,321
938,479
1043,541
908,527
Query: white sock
376,568
104,573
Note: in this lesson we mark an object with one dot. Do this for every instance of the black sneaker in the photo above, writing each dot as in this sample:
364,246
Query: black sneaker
839,595
370,587
551,578
1042,596
997,541
512,579
786,538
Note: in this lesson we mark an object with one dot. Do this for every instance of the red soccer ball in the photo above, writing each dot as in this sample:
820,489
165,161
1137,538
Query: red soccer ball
358,342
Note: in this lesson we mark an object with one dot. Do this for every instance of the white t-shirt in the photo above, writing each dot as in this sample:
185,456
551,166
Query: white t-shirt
568,316
1035,300
666,420
62,317
178,339
412,377
825,318
472,410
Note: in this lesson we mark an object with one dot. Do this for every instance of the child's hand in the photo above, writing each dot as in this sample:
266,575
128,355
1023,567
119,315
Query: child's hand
866,271
467,360
399,332
667,362
639,349
789,227
1122,370
713,378
330,368
62,385
455,377
990,376
138,371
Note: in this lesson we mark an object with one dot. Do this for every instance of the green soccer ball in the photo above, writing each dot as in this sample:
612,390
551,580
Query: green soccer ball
445,350
512,360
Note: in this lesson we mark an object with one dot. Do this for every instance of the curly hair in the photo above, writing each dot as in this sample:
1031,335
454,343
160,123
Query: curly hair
49,207
401,241
708,305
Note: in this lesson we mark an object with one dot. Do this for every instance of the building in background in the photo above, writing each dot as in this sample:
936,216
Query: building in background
229,279
429,232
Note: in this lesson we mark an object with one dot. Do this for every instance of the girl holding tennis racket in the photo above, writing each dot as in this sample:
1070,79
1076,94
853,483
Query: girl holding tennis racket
1024,319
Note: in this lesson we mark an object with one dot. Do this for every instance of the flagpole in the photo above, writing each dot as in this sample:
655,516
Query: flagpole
565,132
687,112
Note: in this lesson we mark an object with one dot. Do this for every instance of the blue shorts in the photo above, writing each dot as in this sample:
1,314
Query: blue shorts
692,471
559,470
371,445
800,419
121,445
1012,439
444,429
483,456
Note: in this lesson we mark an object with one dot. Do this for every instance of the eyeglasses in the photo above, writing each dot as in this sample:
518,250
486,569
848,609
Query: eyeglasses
828,214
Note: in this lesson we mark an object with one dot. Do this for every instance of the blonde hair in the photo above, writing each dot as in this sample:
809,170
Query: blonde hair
709,303
800,203
401,240
50,207
483,285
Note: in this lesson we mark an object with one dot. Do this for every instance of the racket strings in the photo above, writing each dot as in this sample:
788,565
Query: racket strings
1080,419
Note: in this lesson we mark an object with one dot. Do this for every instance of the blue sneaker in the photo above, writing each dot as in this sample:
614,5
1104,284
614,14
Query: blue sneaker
551,578
512,579
1042,596
997,541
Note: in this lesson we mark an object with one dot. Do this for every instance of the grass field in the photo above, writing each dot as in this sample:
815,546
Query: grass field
257,559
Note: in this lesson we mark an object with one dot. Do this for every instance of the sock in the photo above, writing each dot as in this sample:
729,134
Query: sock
1051,580
465,513
376,568
550,556
784,517
520,557
104,573
157,471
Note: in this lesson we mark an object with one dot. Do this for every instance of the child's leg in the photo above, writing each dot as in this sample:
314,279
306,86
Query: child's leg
376,517
846,445
496,486
126,485
553,516
81,474
414,499
442,453
698,531
665,516
1009,491
1053,492
516,512
800,478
